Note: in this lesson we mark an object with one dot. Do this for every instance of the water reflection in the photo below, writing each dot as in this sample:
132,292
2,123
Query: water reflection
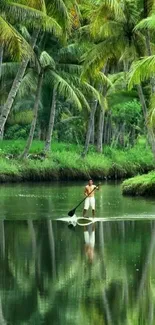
89,238
103,273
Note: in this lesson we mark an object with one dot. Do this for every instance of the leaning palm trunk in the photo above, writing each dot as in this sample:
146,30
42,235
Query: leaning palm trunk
15,86
33,124
51,123
89,129
100,131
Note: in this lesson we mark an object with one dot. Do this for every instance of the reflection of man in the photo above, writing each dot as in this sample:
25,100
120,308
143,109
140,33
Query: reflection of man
89,237
90,200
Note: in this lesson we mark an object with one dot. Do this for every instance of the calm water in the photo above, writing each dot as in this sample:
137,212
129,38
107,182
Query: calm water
103,274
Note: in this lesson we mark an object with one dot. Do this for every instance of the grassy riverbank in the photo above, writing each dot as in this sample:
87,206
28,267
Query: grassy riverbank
143,185
65,162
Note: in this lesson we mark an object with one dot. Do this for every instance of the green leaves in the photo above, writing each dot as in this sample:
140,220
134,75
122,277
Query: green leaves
34,15
148,23
141,70
13,41
46,61
64,89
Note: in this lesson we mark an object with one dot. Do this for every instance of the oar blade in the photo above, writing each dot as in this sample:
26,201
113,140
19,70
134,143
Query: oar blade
71,213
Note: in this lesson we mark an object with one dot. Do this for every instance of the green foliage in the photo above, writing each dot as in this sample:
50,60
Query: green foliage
22,118
7,168
129,112
17,132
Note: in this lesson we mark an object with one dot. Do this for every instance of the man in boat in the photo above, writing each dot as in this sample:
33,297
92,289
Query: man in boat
90,200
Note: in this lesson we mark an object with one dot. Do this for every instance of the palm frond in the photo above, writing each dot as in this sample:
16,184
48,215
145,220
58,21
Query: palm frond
64,89
46,60
33,17
37,4
141,70
72,69
94,93
119,82
96,58
87,89
59,10
147,23
82,98
9,70
103,79
25,33
107,29
69,119
71,53
28,84
13,41
107,9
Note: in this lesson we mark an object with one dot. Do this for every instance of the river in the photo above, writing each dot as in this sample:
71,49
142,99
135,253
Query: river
49,274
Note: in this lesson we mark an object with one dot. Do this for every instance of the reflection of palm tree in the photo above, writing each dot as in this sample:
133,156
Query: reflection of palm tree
2,238
147,264
52,246
2,320
33,237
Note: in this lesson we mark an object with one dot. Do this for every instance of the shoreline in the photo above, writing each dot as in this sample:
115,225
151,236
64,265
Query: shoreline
29,172
64,162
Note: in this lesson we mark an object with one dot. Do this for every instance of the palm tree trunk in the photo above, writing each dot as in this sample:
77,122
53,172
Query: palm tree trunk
51,123
33,124
92,137
15,86
142,100
2,238
89,129
151,138
1,59
100,131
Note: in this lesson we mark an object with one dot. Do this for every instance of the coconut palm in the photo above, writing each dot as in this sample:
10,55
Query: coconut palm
58,77
117,38
42,21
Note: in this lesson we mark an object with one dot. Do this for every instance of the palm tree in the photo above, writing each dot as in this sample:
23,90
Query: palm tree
46,23
116,37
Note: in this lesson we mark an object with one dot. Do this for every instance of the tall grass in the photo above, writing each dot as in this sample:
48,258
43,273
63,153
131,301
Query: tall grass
65,162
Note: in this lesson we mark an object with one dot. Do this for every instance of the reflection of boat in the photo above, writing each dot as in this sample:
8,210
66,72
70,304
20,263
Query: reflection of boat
82,221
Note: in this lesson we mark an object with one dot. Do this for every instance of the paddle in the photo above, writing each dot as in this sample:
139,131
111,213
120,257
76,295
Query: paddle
72,212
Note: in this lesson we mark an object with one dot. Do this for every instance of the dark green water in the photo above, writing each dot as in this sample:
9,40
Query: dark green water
49,274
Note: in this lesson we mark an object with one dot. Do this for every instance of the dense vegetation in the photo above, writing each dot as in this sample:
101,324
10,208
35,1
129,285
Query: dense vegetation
78,72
